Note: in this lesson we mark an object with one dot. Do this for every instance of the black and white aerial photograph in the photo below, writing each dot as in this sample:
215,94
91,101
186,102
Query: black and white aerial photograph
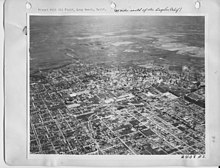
116,85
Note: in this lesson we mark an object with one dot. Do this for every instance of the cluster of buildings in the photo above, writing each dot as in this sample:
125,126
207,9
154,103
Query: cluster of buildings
117,109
